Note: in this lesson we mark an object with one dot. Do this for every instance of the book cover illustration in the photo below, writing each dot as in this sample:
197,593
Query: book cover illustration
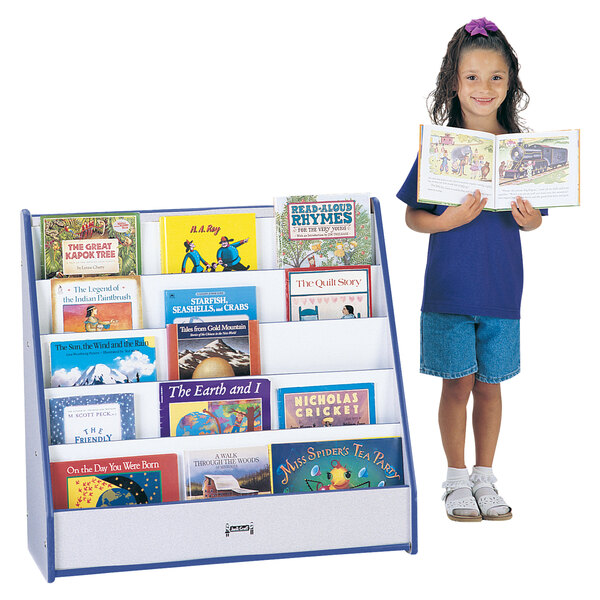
213,304
541,167
326,405
227,473
328,293
94,304
208,243
215,406
337,465
93,244
213,349
122,481
89,419
323,231
102,361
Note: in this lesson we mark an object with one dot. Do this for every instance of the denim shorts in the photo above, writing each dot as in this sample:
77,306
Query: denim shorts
454,346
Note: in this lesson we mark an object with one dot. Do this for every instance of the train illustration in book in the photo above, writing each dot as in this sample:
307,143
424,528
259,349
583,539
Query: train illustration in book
517,160
532,159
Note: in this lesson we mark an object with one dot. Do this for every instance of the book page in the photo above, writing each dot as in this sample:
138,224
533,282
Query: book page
540,167
455,162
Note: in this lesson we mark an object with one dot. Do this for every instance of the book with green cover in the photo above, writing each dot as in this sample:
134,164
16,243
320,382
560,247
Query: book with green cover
91,244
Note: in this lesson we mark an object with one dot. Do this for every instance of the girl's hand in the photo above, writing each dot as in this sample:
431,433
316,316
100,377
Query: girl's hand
455,216
527,217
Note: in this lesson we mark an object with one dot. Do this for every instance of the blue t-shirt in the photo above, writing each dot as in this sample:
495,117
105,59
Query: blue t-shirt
475,269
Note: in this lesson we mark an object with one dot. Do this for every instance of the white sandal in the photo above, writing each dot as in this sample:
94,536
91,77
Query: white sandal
489,502
463,502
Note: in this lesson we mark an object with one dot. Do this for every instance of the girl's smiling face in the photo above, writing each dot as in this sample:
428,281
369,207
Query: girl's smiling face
483,77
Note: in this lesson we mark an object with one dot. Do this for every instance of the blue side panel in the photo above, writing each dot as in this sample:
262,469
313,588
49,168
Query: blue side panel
40,516
388,292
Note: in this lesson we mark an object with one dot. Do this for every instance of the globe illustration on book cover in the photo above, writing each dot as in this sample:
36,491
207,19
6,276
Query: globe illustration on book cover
197,423
116,497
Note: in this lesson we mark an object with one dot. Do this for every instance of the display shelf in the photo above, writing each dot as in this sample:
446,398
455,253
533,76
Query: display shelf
292,354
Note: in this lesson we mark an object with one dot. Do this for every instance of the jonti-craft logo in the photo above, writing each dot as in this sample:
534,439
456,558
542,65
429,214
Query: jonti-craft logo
247,528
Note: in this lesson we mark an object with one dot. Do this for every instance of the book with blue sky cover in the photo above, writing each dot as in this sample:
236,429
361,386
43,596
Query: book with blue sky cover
93,361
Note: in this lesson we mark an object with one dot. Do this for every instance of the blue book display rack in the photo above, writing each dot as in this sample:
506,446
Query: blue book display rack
293,354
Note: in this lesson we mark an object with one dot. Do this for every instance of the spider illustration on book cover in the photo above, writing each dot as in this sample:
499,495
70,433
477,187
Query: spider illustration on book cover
338,478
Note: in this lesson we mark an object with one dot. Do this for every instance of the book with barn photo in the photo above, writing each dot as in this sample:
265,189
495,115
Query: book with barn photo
540,167
227,473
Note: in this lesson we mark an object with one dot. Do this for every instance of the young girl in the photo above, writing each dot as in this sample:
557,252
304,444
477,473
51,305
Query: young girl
474,276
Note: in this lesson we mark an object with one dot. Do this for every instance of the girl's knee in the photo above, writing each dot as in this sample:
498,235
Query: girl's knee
458,390
486,391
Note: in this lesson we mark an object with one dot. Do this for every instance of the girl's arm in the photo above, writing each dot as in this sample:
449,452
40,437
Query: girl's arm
454,216
527,217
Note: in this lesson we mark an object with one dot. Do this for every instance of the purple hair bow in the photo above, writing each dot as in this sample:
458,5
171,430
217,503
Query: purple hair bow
480,27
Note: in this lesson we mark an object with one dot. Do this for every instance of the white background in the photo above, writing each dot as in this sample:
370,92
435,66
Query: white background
137,105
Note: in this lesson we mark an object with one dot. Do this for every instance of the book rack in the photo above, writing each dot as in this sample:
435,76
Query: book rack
292,354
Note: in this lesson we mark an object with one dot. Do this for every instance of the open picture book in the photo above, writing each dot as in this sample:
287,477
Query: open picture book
540,167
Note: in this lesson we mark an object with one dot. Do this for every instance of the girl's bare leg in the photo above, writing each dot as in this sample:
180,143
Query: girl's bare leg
452,418
487,415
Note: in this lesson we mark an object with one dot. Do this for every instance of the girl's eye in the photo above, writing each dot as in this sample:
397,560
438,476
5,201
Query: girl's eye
471,77
497,77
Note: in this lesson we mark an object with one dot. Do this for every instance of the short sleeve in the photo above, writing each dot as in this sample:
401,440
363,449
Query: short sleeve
408,191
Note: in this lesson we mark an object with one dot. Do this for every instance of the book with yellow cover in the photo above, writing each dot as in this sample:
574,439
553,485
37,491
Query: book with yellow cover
208,243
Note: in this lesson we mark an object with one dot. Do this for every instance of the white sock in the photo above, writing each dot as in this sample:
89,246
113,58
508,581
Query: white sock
463,492
480,476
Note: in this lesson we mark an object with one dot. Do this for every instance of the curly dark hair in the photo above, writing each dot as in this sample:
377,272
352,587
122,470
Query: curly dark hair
443,103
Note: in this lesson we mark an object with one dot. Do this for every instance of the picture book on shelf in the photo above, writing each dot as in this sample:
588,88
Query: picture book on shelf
123,481
208,243
326,405
540,167
323,231
89,419
211,304
102,361
328,293
227,473
93,304
204,407
92,244
337,465
213,349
